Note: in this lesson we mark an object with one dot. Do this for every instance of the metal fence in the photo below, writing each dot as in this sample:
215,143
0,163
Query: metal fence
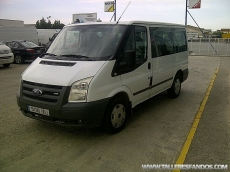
209,46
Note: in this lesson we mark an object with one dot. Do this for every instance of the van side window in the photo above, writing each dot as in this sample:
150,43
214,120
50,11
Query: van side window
154,47
180,42
137,42
130,45
141,44
164,40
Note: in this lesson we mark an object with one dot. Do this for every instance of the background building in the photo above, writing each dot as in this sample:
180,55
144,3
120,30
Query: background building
5,23
225,30
196,31
16,29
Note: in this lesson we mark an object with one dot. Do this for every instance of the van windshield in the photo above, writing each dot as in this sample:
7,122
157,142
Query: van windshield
87,42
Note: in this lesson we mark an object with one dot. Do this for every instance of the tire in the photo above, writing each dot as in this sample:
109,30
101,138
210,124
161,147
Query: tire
6,65
18,59
116,116
174,91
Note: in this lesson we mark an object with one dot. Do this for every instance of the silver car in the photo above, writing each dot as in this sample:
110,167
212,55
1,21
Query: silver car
6,55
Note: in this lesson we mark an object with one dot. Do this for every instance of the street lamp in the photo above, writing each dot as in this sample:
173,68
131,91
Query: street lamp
49,25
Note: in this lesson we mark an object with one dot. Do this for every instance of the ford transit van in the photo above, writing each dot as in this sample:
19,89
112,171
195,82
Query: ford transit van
93,74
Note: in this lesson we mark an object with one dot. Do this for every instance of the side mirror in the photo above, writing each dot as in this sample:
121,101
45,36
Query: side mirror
130,58
49,39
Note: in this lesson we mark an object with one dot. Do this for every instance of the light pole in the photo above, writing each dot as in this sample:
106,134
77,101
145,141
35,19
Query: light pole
115,10
186,9
49,24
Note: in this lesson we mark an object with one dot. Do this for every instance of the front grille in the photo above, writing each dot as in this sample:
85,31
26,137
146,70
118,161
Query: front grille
48,93
41,98
42,85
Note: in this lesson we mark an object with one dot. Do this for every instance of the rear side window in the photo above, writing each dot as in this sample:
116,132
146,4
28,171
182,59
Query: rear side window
163,40
10,44
180,41
15,45
166,41
28,44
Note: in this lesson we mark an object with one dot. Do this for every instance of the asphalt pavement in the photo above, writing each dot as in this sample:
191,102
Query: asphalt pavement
155,134
211,143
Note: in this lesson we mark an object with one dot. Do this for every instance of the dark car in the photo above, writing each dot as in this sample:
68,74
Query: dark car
24,50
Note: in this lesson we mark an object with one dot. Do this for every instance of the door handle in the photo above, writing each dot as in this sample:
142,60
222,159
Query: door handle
150,81
149,65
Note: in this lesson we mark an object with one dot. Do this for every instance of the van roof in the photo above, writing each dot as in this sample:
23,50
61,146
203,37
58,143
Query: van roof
130,23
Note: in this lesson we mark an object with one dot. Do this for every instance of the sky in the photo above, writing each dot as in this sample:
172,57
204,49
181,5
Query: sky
213,14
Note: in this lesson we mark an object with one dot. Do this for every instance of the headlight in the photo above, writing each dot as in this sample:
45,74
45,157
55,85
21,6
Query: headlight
19,89
5,51
79,90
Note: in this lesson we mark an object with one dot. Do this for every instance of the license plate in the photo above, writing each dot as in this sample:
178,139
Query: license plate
38,110
38,51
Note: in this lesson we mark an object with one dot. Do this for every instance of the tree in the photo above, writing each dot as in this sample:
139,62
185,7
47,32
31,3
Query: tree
42,24
58,25
49,25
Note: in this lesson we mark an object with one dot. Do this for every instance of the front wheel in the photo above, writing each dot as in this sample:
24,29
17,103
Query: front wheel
18,59
116,115
174,91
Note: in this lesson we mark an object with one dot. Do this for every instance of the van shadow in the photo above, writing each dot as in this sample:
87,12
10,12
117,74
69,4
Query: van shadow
145,106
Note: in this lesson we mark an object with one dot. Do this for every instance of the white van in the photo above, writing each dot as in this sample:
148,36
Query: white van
94,73
6,55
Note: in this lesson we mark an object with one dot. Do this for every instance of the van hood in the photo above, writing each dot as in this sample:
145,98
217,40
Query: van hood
58,72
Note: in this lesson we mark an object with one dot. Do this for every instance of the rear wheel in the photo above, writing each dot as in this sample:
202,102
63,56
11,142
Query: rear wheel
18,59
6,65
116,115
174,91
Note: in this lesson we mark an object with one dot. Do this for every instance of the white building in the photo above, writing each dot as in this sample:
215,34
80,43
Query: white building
16,29
193,31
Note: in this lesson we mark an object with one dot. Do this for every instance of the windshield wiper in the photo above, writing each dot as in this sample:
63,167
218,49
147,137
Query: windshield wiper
74,55
49,54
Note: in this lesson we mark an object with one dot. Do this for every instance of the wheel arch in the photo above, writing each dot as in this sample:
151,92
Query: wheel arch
180,73
120,95
123,95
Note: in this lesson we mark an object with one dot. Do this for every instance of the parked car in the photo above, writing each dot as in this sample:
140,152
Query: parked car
6,55
24,50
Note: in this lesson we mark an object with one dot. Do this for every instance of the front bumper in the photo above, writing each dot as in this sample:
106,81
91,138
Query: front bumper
85,115
6,58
